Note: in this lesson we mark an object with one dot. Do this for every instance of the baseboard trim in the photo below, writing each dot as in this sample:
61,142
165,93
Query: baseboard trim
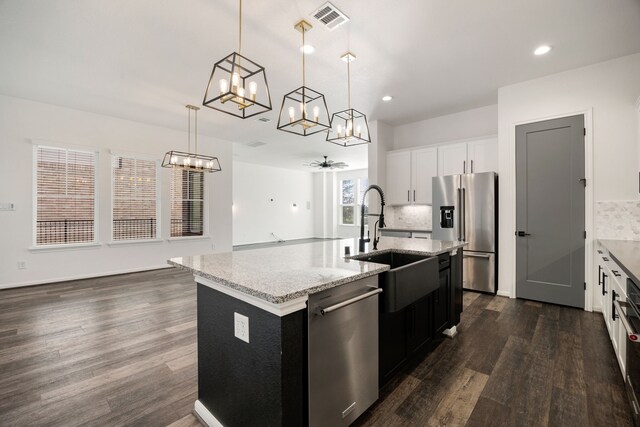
503,293
451,332
82,276
205,416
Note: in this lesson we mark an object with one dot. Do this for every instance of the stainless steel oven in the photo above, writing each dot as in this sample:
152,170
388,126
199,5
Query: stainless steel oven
629,312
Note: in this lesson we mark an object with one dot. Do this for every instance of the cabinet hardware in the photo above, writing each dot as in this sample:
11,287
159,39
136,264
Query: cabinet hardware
471,166
614,295
464,166
414,195
599,275
605,259
616,273
604,284
408,195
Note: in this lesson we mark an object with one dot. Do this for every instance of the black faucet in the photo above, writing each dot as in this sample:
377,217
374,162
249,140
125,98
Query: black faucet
362,240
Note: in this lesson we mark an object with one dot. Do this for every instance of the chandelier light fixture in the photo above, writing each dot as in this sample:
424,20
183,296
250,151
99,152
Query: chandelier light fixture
238,86
304,111
191,161
349,127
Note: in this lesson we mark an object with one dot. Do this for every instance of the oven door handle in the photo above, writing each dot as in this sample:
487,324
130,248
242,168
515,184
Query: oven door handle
633,335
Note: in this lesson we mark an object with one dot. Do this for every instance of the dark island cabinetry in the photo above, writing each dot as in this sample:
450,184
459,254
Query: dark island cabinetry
413,331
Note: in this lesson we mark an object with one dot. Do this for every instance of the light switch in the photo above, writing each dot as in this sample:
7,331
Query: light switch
241,327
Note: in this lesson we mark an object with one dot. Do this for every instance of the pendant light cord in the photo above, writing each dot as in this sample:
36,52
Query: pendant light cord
240,29
349,83
303,31
189,131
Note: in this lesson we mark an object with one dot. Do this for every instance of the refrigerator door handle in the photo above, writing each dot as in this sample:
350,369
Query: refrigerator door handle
459,214
464,215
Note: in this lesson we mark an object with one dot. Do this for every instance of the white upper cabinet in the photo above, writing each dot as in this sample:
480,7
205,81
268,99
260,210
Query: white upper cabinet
410,173
468,157
482,156
424,166
398,189
452,159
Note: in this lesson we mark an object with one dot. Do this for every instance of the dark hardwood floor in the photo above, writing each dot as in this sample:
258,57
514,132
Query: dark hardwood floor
121,350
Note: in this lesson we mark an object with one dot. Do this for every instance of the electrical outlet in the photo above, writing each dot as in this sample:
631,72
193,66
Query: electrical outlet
22,265
241,327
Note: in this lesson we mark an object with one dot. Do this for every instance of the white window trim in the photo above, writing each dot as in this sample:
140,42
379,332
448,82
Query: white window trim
205,212
34,193
158,237
134,242
69,246
357,205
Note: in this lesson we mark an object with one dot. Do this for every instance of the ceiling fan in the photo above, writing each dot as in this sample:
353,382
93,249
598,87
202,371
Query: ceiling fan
327,164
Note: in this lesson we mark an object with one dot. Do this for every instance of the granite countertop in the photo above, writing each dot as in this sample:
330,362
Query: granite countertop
627,254
418,229
284,273
281,274
427,247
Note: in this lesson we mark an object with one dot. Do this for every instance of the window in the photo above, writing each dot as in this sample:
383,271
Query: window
135,206
65,196
187,203
351,191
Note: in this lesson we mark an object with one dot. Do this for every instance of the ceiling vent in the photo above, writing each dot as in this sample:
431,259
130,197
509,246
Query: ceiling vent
330,16
255,144
264,119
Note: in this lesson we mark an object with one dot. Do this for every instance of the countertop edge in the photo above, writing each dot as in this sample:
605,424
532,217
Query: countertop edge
632,275
280,299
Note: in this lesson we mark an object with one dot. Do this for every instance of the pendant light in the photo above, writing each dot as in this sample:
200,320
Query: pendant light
304,110
191,161
238,86
349,127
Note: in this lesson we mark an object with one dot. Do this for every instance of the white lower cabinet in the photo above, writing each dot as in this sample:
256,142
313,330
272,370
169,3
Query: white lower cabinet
612,287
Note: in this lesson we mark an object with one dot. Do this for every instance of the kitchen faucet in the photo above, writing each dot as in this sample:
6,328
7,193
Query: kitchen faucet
362,240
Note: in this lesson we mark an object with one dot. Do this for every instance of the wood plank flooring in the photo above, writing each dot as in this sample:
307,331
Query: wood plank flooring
513,363
121,350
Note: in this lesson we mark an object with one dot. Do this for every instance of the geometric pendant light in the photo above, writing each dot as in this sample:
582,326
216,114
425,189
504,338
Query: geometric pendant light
191,161
238,86
349,127
304,110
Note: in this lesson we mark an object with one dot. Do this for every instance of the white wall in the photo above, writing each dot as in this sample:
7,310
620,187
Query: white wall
464,125
381,143
22,120
607,92
256,216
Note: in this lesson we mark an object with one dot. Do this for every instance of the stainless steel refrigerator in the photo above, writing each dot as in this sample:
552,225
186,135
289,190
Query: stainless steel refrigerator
465,207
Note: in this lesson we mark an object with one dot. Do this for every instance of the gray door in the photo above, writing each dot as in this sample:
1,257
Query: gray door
550,211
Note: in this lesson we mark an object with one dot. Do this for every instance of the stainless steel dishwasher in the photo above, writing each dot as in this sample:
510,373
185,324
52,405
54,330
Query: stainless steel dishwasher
343,352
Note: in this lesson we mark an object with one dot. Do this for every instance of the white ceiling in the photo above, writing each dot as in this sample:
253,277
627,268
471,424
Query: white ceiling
144,60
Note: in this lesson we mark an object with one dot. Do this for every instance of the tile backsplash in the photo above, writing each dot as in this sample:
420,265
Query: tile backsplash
417,216
619,219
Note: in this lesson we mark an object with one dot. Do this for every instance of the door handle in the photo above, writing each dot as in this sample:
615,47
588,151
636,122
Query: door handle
599,275
414,195
408,195
471,166
474,255
464,166
522,234
633,336
459,214
604,284
463,218
327,310
614,297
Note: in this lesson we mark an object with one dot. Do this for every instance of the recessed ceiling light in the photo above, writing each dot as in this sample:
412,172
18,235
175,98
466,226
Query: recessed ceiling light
541,50
307,49
387,98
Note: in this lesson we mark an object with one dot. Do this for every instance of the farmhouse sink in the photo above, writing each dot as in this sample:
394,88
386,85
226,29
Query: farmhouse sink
411,277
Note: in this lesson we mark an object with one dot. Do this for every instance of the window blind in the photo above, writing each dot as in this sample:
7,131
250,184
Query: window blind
65,193
187,203
134,204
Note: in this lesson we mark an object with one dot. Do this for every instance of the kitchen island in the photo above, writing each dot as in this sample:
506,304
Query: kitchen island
253,343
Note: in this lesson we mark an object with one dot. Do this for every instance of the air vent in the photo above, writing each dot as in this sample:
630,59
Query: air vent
255,144
264,119
330,16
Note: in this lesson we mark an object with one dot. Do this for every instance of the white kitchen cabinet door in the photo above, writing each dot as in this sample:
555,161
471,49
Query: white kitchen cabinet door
424,166
452,159
398,189
482,156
